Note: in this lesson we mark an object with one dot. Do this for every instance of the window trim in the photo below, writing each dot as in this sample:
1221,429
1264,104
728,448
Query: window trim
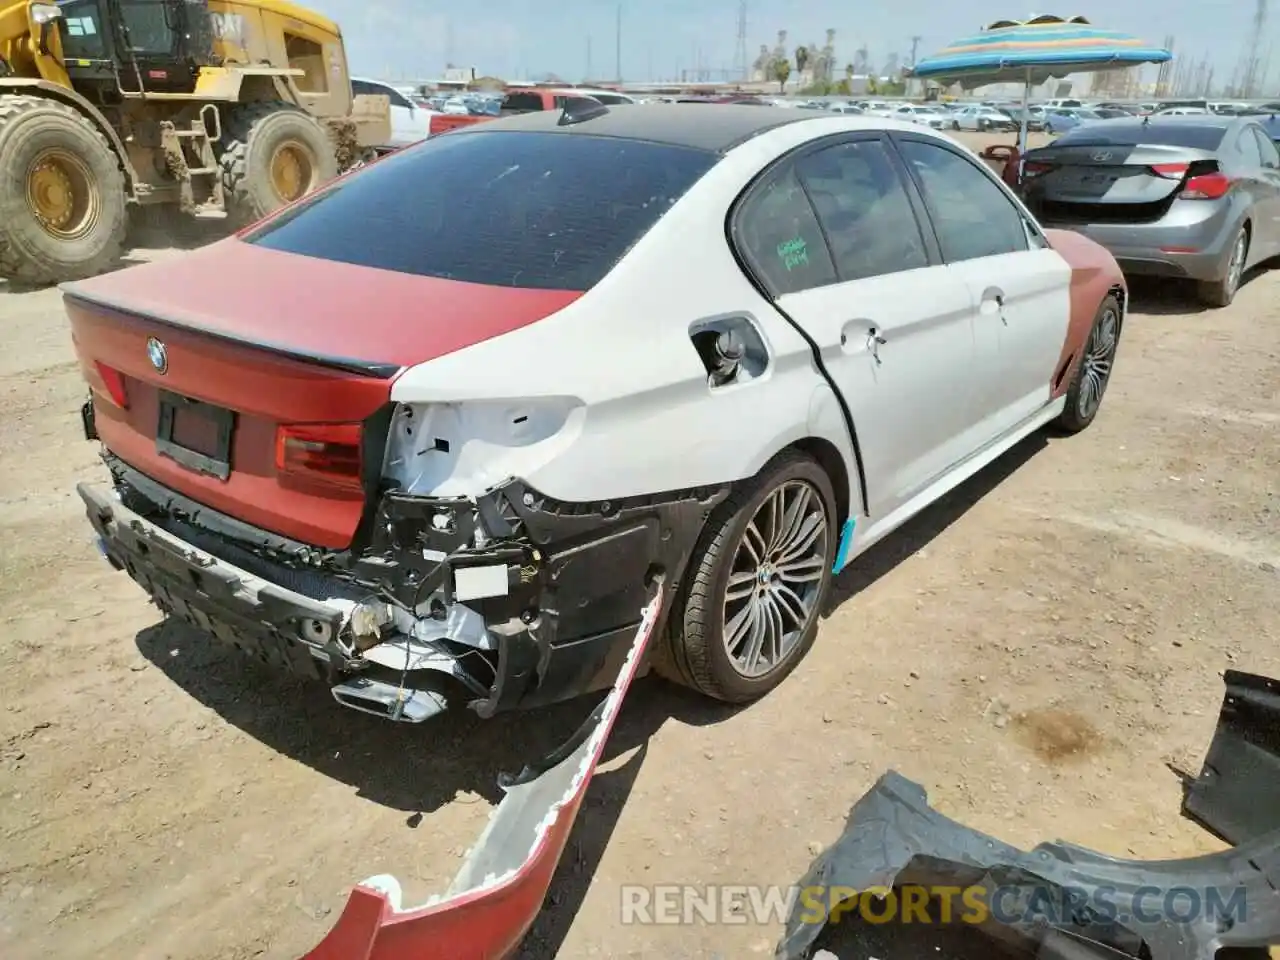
1030,224
788,159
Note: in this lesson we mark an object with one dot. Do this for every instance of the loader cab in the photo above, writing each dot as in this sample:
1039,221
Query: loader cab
135,46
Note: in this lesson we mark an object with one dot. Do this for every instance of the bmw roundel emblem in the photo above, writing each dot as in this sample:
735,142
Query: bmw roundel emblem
157,354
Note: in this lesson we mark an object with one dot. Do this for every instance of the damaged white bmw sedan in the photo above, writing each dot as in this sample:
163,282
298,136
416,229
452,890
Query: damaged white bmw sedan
428,434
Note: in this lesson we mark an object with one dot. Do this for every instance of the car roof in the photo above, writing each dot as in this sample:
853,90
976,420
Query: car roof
717,128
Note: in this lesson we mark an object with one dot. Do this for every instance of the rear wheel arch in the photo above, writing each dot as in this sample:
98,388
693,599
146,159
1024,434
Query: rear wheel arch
832,462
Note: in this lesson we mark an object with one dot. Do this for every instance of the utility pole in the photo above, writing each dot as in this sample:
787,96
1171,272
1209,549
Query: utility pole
1253,48
741,63
915,46
617,45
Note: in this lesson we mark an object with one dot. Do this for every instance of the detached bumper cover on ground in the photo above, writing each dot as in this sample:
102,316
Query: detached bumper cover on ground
499,890
1063,902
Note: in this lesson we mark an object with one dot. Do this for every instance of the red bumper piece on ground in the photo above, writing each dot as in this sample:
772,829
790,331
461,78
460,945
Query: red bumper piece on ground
494,898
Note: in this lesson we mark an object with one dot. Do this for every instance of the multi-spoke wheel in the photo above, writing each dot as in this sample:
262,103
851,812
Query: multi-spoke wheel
748,610
1093,373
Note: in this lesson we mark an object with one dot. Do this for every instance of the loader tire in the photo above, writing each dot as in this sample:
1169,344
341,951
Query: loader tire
271,154
63,211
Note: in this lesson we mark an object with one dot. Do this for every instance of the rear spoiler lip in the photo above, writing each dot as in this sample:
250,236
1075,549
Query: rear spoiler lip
364,368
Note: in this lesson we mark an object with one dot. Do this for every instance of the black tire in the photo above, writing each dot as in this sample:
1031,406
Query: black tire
1077,415
955,124
693,651
76,160
1222,291
252,136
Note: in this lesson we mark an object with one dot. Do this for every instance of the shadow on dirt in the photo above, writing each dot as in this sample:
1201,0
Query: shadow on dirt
924,527
416,768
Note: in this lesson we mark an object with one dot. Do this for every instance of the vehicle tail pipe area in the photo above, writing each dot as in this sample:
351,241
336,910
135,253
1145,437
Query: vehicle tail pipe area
389,701
492,902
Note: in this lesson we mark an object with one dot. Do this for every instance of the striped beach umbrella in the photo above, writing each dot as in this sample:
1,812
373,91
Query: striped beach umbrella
1033,51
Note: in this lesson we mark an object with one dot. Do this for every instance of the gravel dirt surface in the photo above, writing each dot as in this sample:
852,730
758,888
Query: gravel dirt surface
1036,650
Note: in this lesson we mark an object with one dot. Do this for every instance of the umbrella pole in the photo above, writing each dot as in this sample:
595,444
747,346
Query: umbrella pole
1026,115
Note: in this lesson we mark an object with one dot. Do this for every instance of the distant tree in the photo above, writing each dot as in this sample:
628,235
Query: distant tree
848,71
782,73
802,59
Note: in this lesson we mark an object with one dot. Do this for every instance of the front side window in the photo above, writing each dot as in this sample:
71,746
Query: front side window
863,206
971,214
778,234
514,209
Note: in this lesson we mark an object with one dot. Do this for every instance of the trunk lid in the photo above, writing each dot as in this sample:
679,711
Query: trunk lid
1092,182
257,383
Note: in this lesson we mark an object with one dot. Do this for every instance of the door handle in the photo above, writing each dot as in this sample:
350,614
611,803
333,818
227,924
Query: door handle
993,302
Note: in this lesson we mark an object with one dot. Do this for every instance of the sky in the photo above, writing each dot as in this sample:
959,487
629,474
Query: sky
517,39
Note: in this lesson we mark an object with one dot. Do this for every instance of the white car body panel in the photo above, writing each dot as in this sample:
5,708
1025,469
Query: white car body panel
1020,325
409,122
928,347
576,404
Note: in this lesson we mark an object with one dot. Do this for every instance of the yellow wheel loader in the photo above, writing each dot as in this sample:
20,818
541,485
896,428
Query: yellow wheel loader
211,108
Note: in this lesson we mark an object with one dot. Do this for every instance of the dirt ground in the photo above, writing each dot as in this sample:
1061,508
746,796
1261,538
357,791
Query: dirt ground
1036,650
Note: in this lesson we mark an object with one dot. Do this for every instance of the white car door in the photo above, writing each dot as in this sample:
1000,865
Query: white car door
1021,287
834,233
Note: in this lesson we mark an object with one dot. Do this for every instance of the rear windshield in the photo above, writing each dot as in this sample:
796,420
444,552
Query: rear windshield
543,210
1193,136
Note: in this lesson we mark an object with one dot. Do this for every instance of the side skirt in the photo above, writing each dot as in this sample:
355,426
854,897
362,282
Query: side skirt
877,529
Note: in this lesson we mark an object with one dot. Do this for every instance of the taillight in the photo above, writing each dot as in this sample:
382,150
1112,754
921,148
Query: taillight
1035,168
1170,171
1208,186
324,453
113,381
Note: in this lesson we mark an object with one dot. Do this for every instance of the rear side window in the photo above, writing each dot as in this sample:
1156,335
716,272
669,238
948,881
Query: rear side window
1270,156
1194,136
543,210
971,214
863,206
778,233
1247,144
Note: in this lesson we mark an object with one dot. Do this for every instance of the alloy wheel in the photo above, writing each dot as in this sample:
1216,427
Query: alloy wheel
1235,268
1099,355
775,579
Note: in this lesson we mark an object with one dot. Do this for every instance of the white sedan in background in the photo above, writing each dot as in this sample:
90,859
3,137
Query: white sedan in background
935,118
979,118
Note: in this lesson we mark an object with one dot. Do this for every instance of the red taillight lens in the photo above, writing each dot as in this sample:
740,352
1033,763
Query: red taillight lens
1035,168
1209,186
1170,171
324,453
113,381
